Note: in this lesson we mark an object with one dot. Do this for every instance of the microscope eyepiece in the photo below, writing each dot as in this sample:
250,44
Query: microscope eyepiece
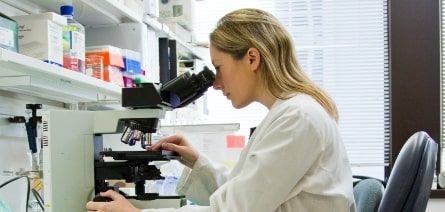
176,93
187,87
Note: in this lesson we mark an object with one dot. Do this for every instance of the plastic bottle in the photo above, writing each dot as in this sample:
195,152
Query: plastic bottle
73,41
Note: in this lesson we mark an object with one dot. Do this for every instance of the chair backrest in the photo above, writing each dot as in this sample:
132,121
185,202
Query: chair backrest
409,183
368,194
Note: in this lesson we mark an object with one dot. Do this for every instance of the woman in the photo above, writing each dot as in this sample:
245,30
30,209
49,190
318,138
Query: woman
295,160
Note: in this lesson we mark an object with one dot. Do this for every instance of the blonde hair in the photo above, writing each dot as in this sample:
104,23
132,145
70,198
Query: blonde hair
280,71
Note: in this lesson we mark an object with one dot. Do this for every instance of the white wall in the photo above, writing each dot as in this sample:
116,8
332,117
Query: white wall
14,148
14,154
436,205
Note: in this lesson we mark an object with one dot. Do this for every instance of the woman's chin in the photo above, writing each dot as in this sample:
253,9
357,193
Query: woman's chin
238,105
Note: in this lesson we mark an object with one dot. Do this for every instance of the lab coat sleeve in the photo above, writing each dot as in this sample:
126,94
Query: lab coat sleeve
188,208
198,184
201,181
275,165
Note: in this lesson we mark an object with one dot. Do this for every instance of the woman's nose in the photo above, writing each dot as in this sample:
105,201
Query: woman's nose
217,83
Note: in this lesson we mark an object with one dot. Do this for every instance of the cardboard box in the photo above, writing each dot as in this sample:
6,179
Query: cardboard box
179,11
40,36
8,33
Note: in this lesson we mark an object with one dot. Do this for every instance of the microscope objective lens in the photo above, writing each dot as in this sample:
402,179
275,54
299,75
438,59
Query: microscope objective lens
126,135
137,135
146,142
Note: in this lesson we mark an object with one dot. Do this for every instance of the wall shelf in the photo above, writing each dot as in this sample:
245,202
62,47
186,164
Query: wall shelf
88,13
30,76
104,12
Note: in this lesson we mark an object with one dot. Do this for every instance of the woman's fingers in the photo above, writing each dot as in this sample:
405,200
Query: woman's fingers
112,194
178,144
176,139
118,203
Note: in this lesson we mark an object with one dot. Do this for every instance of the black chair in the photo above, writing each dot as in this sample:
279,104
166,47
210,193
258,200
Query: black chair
368,194
409,184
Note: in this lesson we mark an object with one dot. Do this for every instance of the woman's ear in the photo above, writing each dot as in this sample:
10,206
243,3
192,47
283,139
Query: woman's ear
254,58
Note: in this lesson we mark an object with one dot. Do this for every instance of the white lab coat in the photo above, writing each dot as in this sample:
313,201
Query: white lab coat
294,161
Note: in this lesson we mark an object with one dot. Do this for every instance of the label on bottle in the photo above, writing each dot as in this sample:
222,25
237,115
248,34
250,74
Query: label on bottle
78,45
74,49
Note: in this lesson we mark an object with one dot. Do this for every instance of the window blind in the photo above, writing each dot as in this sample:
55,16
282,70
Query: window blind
343,46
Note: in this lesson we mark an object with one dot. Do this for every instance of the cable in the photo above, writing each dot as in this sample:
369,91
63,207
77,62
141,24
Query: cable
17,178
39,199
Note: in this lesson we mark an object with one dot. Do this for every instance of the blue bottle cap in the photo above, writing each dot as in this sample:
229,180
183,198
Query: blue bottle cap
67,10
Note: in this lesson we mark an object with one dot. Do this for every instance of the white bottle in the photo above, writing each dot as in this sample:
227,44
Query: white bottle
73,41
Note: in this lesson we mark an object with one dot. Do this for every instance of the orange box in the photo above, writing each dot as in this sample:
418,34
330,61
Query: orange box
111,55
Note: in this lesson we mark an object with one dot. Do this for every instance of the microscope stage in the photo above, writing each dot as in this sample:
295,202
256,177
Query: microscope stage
141,155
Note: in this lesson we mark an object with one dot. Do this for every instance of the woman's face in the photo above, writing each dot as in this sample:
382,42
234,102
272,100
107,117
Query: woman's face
237,79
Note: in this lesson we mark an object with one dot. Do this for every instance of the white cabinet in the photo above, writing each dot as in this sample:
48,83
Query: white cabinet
29,76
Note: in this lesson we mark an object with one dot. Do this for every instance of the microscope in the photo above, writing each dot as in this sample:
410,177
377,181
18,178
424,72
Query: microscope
134,166
76,160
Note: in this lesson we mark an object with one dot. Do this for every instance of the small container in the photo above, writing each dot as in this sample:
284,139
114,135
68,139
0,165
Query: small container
132,67
94,66
114,75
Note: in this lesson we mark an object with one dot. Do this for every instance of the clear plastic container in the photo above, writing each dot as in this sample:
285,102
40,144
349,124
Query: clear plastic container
95,66
73,41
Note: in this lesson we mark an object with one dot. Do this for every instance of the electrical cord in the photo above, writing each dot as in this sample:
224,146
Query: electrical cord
17,178
39,199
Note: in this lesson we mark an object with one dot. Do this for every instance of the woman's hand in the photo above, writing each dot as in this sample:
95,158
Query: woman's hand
180,145
118,203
